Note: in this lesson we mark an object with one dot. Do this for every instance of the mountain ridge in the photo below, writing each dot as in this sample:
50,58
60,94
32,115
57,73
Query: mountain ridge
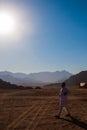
77,78
34,78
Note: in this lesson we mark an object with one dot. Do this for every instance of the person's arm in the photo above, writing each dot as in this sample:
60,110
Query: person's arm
67,92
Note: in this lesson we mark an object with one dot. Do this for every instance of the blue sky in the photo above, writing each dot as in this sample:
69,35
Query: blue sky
59,40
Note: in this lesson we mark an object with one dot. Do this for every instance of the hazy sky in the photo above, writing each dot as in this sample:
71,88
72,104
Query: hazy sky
52,36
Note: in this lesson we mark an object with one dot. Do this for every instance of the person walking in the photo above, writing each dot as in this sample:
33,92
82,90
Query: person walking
64,93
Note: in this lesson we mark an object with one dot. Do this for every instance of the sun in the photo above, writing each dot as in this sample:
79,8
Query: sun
16,25
7,23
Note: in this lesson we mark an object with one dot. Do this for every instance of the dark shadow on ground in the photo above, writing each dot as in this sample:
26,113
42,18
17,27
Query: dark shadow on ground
76,122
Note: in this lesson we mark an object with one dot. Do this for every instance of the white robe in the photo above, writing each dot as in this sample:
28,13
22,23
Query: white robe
63,98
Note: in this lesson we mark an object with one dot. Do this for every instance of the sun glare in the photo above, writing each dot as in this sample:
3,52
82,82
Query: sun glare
15,27
7,23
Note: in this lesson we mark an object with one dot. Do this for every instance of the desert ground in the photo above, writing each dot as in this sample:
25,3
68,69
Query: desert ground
35,109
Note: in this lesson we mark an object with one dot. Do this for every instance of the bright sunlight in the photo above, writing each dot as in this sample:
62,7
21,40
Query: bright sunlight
7,23
15,26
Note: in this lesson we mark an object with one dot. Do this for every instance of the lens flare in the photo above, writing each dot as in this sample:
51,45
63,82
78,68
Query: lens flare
7,23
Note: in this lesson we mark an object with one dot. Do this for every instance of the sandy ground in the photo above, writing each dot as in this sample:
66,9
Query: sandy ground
36,110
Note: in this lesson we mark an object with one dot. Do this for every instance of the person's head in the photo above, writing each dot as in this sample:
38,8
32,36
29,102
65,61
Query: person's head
63,85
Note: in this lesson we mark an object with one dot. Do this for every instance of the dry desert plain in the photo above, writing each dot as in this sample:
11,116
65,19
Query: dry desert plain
35,109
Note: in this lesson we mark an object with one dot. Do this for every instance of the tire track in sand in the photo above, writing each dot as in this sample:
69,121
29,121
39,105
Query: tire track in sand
42,110
16,122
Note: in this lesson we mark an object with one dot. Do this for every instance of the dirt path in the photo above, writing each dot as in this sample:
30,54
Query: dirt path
33,115
38,116
20,118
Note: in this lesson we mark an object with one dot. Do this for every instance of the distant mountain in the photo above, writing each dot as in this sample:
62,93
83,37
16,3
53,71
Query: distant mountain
50,77
17,78
34,78
78,78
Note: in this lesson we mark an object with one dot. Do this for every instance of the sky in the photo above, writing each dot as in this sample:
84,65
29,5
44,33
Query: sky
50,35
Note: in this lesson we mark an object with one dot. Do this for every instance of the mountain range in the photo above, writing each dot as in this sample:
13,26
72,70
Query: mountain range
35,78
77,79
